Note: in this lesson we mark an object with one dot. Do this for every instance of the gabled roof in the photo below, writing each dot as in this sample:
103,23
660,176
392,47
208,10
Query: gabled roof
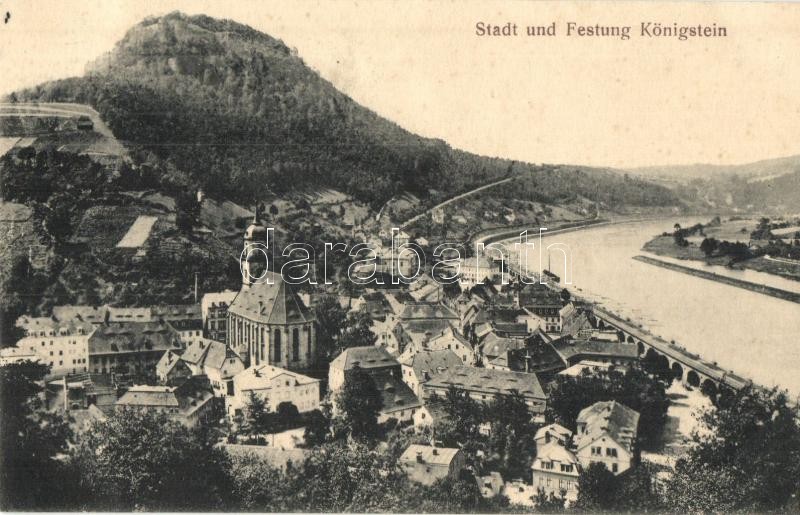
196,352
366,357
616,420
168,361
274,303
556,430
438,342
142,395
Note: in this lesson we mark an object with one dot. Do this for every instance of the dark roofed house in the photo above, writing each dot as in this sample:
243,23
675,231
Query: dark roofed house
483,384
399,401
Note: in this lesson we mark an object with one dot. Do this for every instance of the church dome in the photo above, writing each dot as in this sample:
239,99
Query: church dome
255,232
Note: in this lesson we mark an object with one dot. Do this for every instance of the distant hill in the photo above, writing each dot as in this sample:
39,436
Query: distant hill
759,170
218,105
771,185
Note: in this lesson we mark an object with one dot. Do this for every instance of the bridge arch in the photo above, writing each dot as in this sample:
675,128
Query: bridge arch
640,348
629,339
709,388
677,370
693,378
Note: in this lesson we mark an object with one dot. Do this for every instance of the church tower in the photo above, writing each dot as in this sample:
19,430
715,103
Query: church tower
254,261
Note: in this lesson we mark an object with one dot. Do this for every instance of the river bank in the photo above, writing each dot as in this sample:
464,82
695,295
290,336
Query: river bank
757,288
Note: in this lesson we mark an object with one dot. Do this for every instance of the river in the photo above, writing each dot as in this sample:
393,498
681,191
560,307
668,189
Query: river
754,335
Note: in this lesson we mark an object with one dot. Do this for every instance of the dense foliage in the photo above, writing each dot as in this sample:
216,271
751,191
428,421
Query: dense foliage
747,458
145,461
31,477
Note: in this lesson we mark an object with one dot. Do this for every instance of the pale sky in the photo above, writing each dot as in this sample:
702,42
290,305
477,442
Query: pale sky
595,101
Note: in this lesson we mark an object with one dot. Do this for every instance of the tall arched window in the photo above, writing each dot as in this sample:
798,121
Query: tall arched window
295,344
277,345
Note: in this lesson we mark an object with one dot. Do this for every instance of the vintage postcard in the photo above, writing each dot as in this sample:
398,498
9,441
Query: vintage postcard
412,257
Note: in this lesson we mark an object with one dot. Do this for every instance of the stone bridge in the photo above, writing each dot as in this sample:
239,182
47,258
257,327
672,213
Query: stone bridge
689,367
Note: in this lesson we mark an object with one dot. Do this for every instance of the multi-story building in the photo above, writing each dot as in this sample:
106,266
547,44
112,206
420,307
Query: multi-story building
607,433
555,470
543,302
452,340
186,319
399,401
485,385
418,367
215,360
130,347
369,358
62,344
214,308
275,386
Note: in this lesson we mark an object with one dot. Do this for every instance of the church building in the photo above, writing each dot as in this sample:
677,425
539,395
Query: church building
267,321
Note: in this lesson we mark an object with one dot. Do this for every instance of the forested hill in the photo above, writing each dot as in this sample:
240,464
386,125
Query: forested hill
216,104
239,111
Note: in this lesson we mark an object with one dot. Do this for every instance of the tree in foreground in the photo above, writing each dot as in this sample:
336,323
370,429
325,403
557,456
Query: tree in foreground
139,460
30,440
746,459
358,404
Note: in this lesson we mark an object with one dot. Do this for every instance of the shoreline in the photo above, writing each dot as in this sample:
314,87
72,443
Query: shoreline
730,281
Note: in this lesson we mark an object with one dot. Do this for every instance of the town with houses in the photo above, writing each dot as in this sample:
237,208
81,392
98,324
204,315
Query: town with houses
228,286
204,364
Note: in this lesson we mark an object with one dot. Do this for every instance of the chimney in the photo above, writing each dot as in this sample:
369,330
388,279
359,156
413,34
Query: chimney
435,451
419,457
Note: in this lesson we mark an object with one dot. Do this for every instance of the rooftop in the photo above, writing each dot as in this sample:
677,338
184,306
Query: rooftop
569,348
266,376
429,362
120,337
617,420
366,357
274,303
429,454
489,381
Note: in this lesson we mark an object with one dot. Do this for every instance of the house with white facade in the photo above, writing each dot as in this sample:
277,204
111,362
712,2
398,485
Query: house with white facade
607,433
